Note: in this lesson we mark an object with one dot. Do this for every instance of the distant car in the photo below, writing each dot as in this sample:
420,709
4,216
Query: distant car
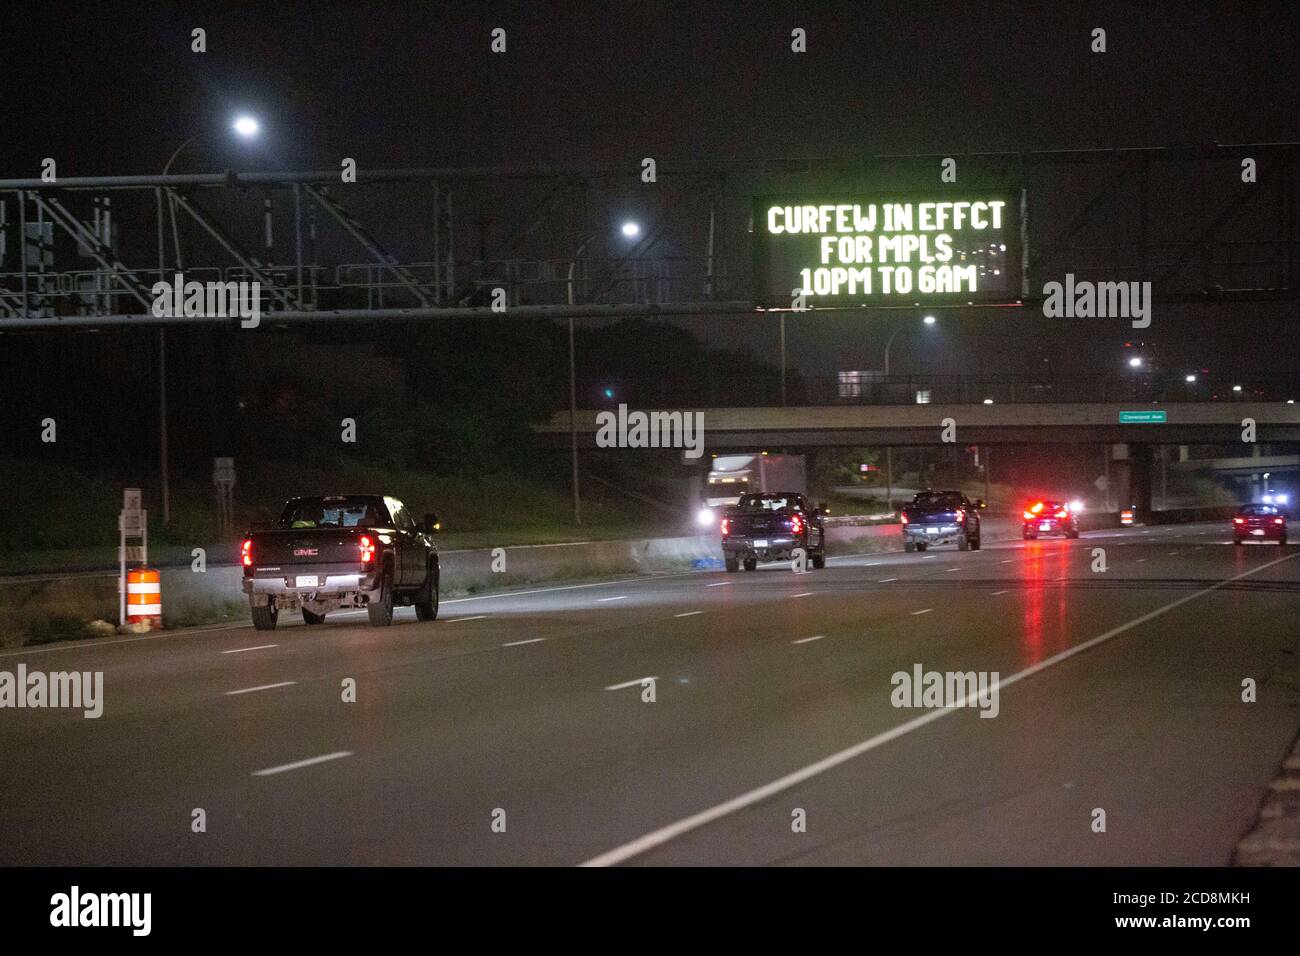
941,517
1049,517
771,527
1259,523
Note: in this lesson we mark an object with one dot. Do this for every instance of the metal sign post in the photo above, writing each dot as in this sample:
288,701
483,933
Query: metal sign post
132,524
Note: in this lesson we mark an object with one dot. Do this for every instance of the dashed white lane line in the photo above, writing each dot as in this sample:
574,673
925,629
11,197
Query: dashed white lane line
805,640
805,594
630,683
251,690
670,832
1007,561
946,570
621,597
926,610
717,584
688,614
240,650
457,620
996,593
299,764
531,640
887,580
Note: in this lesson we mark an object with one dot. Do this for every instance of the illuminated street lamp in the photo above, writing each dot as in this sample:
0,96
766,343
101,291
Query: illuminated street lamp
246,127
1190,379
1135,362
630,230
929,320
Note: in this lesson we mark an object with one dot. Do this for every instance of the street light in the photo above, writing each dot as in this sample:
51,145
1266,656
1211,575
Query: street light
1135,362
929,320
630,230
1190,379
246,127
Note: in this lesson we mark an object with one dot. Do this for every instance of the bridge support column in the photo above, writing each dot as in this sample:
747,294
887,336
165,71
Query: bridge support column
1131,475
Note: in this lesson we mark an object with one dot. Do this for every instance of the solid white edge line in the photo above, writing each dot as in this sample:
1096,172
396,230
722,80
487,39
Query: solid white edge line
664,834
299,764
630,683
240,650
249,690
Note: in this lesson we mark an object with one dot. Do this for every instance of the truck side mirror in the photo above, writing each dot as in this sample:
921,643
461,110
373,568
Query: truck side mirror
431,523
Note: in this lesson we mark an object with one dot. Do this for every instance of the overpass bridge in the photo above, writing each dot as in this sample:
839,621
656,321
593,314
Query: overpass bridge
1012,424
1129,430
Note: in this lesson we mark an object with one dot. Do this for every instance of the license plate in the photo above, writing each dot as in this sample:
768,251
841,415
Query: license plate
308,580
931,530
760,542
1259,531
1045,526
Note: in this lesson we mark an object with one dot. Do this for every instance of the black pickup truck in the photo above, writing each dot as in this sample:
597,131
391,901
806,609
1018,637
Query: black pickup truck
941,517
769,527
345,551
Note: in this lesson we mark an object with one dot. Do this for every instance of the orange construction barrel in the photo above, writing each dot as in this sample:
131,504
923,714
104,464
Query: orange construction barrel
143,600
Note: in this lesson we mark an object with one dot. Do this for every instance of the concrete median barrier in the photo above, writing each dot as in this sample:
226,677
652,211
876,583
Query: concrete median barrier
55,607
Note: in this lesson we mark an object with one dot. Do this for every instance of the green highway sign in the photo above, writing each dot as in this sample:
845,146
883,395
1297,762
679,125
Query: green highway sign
1142,418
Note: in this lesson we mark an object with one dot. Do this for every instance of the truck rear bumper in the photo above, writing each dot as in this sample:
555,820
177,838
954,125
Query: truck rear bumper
765,549
326,585
943,534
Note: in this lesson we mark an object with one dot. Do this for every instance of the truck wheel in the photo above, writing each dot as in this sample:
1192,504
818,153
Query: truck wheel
311,618
265,615
922,545
426,602
380,611
751,564
732,562
975,543
819,561
963,543
1236,540
909,546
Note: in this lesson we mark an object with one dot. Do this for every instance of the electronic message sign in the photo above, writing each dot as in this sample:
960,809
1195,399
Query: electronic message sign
888,250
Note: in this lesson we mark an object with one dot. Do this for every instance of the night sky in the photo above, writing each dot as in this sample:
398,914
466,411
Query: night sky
112,88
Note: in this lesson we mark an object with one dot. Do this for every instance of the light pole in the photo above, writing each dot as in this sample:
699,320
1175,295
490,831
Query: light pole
630,230
889,449
246,127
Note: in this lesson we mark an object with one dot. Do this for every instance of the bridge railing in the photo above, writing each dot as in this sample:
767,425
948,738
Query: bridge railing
735,392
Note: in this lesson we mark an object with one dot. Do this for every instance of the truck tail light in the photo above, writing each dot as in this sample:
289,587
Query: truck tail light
961,516
367,549
903,516
1279,521
1238,520
246,553
1028,516
796,524
1063,513
726,526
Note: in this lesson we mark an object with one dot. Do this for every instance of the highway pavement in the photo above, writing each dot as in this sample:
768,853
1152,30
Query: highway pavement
697,718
